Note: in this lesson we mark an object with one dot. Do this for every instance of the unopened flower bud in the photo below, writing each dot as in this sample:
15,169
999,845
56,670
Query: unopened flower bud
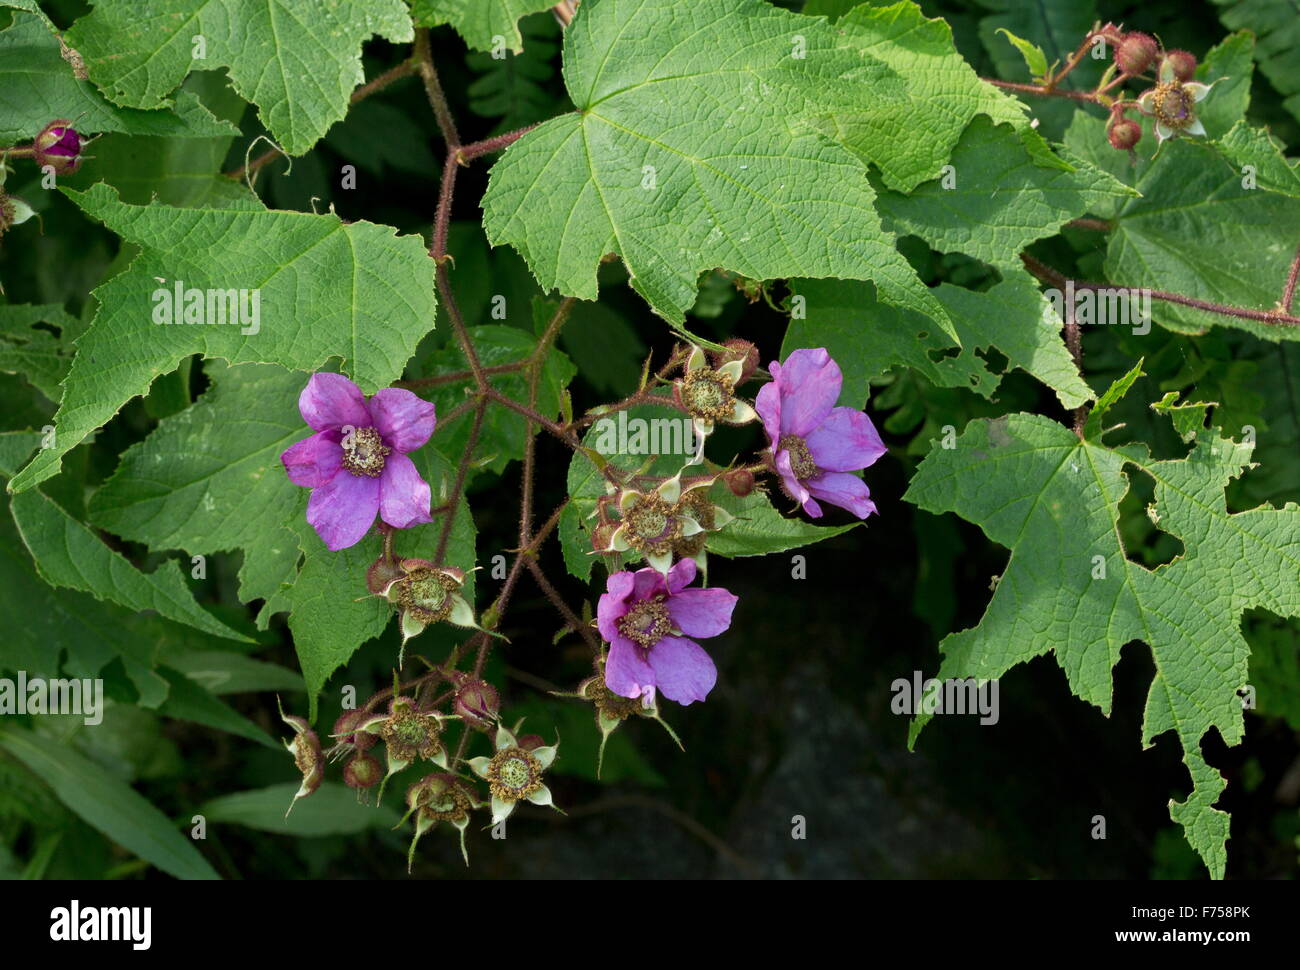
362,771
531,742
743,351
478,704
1181,63
740,481
601,536
344,731
59,146
1136,52
1124,134
383,573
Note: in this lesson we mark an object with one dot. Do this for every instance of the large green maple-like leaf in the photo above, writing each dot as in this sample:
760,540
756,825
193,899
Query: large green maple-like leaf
701,151
868,338
910,138
37,85
1198,230
357,291
297,60
480,22
1069,589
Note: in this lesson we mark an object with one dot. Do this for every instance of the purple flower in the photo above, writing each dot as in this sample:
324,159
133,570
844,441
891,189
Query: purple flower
814,445
356,462
646,618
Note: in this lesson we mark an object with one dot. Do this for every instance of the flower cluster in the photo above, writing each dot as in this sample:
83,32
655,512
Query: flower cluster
650,620
1170,104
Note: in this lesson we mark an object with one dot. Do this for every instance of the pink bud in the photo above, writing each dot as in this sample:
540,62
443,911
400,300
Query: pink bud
59,146
1135,53
1182,64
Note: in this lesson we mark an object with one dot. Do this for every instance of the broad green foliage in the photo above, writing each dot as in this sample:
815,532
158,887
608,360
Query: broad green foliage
680,159
358,292
910,138
69,555
297,60
37,85
1198,231
910,193
502,439
1277,29
1070,590
31,351
996,200
869,337
209,480
486,25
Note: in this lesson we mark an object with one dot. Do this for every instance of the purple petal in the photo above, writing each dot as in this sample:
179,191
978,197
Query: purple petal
69,142
404,420
845,490
702,612
343,509
683,672
810,385
768,405
845,441
331,401
626,672
612,605
404,496
649,582
681,574
313,461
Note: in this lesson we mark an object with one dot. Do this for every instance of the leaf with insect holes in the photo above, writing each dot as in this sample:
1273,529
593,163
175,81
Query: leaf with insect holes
1070,590
324,289
298,60
704,150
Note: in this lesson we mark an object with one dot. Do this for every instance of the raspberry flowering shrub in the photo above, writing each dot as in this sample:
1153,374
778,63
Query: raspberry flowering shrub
644,641
719,257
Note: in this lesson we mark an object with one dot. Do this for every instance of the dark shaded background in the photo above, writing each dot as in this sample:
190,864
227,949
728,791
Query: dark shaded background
800,722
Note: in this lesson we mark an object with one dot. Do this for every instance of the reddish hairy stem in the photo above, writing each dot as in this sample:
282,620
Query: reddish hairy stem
1288,291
